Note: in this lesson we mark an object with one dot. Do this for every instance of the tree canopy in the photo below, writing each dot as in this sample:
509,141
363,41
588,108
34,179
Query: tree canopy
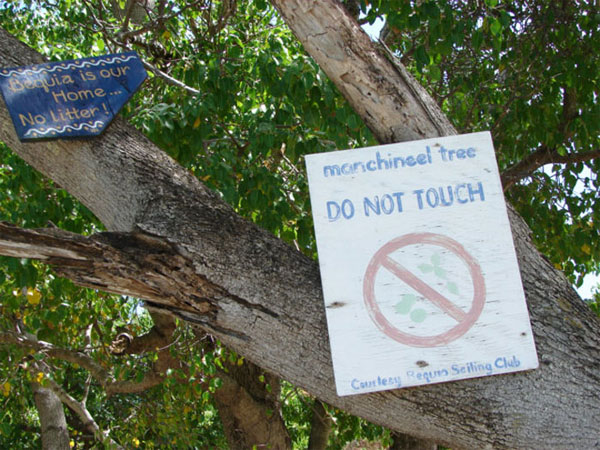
527,71
235,99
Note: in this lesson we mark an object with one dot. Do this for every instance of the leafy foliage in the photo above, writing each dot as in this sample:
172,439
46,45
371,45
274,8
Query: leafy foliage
525,70
262,104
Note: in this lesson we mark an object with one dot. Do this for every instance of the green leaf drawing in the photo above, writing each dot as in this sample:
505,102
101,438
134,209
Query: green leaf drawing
439,272
452,287
418,315
407,302
425,268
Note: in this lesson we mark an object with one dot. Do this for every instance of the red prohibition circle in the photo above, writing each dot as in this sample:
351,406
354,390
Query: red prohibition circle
382,259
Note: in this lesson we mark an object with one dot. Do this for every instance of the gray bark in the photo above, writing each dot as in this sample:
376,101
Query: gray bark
190,254
249,408
384,95
406,442
55,435
320,427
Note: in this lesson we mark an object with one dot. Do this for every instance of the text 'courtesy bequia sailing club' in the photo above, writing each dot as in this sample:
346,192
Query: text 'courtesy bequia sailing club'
420,278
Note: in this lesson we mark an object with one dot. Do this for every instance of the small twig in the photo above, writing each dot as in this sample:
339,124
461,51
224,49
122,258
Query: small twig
128,10
291,164
169,79
86,389
231,137
156,23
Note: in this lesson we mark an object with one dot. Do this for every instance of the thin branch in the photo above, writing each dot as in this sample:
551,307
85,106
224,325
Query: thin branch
77,407
545,155
150,380
539,158
86,390
128,11
122,37
156,23
169,79
88,337
100,374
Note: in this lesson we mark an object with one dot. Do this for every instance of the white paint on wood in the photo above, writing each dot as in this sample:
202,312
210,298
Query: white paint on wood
419,272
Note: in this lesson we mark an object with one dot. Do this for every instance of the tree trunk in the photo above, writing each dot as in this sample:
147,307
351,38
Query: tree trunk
320,427
248,404
55,435
406,442
190,254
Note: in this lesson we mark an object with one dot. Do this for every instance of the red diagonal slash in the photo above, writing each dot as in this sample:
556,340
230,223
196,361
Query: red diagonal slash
465,320
424,289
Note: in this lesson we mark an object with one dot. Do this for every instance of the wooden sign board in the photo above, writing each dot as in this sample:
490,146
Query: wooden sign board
70,98
419,272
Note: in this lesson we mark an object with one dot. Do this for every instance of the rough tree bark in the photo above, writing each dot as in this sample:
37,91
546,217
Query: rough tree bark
55,435
186,252
248,404
406,442
320,427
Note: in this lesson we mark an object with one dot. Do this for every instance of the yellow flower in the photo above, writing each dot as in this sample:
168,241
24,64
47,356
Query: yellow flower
136,442
33,296
39,377
71,443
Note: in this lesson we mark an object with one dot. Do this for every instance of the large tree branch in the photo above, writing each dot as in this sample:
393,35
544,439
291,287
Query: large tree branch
101,375
55,435
391,103
98,372
264,299
113,262
539,158
546,155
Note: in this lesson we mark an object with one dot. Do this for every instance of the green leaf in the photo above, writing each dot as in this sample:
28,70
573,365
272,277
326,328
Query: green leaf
477,39
439,272
418,315
421,56
407,302
425,268
435,73
452,287
496,27
414,21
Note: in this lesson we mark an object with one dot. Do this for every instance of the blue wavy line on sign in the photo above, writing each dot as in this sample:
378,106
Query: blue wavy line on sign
71,66
96,124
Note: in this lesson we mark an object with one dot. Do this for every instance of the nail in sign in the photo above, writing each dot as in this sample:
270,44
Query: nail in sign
69,99
420,277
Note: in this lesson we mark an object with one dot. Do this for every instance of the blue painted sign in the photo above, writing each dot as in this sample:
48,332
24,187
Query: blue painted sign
70,98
